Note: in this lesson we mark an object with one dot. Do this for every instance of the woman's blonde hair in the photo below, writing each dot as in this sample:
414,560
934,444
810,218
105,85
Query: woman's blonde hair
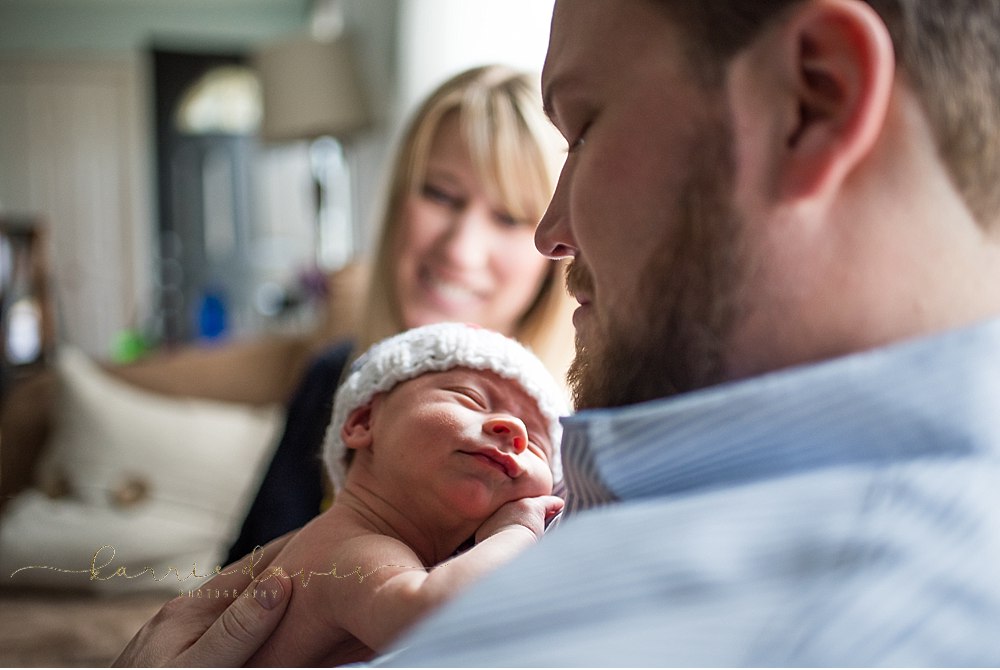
517,153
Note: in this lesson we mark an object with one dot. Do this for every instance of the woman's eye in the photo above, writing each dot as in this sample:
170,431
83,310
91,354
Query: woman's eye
508,220
440,196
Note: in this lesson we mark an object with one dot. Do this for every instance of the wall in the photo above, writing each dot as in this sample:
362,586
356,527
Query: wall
406,48
76,137
439,38
71,155
116,26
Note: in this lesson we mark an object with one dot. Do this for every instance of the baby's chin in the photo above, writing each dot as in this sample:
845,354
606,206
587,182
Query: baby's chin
478,502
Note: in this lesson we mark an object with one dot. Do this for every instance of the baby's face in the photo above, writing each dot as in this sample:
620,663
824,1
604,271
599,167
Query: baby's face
471,436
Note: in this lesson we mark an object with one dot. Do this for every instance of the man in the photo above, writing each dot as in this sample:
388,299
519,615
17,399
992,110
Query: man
785,212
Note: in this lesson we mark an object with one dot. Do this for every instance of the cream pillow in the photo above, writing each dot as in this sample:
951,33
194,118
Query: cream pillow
164,481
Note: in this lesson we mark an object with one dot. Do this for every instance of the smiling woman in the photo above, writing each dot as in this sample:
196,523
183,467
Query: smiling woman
463,255
474,174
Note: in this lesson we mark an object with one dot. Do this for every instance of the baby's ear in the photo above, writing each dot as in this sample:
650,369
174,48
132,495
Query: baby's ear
357,429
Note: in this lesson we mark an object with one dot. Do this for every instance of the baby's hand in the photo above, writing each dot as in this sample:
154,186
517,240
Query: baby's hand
531,513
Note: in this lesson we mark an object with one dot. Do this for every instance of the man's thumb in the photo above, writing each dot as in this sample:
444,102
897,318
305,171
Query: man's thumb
240,631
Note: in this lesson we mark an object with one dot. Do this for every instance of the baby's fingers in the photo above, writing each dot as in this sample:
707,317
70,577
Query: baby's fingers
553,505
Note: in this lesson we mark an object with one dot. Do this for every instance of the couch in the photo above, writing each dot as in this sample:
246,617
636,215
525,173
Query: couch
158,459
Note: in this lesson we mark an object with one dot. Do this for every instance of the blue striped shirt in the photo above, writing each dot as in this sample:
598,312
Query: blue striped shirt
844,513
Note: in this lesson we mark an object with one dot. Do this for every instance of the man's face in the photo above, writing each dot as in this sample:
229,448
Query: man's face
643,204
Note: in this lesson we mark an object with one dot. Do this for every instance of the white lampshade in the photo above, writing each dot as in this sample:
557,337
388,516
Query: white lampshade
310,88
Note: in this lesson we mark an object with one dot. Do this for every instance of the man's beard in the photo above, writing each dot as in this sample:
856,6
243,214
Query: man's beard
675,339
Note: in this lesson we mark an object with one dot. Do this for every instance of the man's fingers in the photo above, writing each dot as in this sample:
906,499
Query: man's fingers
181,624
243,627
235,577
167,634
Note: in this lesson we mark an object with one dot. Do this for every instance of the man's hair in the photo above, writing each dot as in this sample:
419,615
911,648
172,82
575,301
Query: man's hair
948,51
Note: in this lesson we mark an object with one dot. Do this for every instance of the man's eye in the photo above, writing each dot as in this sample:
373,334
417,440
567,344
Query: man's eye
578,141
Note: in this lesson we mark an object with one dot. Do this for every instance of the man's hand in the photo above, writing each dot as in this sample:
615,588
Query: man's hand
532,513
190,632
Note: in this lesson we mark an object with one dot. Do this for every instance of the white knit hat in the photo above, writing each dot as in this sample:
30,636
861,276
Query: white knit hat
436,348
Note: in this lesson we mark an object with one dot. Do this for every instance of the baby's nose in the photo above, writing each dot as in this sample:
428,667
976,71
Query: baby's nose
511,428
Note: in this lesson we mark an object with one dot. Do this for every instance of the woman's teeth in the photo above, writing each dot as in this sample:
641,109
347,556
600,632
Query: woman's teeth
452,291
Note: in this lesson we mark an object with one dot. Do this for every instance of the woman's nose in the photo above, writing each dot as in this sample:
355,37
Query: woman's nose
466,243
512,430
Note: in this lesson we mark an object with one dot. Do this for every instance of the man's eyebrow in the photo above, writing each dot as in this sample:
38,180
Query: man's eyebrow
557,84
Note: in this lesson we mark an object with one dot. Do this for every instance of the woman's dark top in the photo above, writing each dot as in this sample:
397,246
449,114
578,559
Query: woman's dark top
292,490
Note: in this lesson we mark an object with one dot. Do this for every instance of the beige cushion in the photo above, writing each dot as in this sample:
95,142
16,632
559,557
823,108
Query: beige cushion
165,481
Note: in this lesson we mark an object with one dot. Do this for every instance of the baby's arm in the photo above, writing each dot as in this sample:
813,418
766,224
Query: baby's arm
513,528
391,591
402,600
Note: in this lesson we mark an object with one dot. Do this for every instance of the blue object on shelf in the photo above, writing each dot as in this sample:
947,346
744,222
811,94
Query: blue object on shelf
212,316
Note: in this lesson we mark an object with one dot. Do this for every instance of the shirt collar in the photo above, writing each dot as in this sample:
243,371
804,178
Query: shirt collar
931,397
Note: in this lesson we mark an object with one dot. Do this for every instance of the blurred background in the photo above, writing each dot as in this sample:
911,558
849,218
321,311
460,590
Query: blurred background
187,178
177,171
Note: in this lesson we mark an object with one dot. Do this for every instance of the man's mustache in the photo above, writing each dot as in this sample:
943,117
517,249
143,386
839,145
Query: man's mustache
579,279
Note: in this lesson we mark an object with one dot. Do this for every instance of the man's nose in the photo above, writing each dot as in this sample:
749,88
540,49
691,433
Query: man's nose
553,237
512,430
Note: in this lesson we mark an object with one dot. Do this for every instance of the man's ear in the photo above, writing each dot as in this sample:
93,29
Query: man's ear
357,429
839,67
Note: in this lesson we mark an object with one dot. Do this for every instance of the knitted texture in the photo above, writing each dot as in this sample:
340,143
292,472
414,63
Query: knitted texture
436,348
